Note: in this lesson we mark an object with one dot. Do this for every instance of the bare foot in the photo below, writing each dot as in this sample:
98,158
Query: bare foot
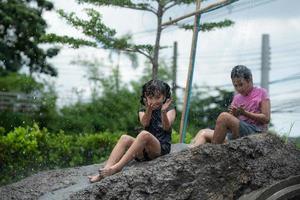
108,171
95,178
102,174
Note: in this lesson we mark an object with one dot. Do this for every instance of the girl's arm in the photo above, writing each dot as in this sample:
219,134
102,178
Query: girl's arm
167,118
263,117
145,117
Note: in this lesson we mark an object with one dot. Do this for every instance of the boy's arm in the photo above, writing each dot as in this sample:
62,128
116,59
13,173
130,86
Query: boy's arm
263,117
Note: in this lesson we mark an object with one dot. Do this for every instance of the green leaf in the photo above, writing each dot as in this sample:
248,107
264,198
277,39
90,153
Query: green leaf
74,42
205,27
22,25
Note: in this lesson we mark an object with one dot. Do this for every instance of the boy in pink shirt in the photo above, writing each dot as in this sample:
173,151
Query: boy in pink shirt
249,112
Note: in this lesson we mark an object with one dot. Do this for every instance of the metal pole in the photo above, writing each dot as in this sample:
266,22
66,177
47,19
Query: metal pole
265,62
174,71
186,104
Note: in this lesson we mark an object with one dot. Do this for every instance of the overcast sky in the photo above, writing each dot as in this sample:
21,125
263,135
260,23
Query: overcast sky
218,51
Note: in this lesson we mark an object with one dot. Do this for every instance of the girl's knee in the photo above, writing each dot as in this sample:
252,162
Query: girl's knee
126,139
144,135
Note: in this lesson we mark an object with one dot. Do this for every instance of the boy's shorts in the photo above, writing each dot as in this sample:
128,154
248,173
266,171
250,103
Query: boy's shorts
245,130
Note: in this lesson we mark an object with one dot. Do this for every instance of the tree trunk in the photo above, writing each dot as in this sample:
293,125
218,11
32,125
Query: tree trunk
157,42
118,73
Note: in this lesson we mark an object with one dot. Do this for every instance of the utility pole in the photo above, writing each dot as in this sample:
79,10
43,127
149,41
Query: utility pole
265,62
174,71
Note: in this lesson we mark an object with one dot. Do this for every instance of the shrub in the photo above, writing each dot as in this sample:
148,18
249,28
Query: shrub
24,151
176,137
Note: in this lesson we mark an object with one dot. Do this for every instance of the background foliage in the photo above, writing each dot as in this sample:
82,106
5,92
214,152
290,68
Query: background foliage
21,29
26,150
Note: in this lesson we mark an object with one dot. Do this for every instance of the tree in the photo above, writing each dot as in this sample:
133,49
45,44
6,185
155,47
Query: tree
21,29
130,55
102,35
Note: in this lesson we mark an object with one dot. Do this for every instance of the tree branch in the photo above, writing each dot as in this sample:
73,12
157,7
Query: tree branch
122,4
143,53
170,6
209,26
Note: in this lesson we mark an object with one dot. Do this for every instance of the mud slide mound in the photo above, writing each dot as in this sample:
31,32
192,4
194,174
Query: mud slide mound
229,171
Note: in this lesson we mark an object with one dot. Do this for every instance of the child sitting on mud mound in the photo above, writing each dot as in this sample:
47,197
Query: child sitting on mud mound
249,112
156,116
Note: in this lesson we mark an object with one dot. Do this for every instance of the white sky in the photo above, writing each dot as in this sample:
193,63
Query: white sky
218,51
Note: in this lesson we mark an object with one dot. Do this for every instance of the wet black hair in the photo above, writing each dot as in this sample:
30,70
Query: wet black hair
153,88
241,71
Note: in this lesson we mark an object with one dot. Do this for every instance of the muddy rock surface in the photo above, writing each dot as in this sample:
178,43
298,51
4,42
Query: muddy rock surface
225,171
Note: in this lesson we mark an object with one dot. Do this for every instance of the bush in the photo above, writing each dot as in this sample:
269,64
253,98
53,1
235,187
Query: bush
111,112
176,137
9,120
20,152
24,151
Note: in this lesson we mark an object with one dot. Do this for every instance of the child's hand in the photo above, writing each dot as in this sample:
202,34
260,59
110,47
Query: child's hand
149,106
233,110
156,105
236,111
166,105
240,110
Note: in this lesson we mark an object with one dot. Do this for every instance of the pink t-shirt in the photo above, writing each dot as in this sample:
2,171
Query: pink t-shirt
251,103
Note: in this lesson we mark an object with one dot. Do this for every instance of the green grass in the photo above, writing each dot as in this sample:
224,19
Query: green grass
287,134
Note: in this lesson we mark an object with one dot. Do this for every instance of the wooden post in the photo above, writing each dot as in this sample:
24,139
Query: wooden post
186,103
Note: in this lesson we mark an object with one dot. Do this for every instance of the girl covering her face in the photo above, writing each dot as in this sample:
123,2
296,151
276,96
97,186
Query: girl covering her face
156,116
